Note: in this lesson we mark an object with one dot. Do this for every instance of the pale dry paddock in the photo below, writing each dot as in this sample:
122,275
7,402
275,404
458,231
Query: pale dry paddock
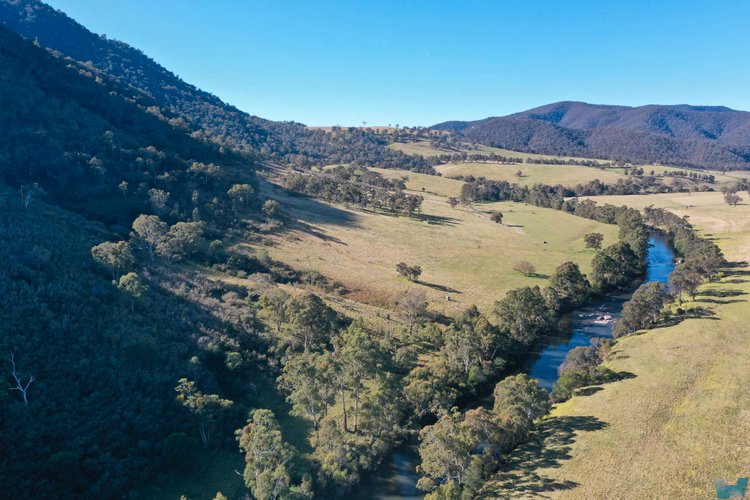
683,420
466,258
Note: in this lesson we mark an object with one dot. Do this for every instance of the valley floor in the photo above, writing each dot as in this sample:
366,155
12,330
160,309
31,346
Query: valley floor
681,422
465,256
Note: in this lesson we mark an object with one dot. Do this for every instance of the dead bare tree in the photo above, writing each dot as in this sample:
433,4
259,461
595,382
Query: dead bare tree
23,389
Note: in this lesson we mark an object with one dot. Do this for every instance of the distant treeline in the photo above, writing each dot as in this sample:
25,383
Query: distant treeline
483,189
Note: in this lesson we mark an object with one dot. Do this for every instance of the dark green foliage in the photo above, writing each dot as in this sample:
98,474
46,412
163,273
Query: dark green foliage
102,368
363,188
594,240
93,148
642,310
615,267
570,287
524,314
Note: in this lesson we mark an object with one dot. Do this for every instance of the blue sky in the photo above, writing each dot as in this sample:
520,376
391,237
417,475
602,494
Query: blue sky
418,63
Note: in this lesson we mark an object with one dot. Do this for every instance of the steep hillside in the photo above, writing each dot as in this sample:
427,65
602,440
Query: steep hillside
691,136
283,141
91,145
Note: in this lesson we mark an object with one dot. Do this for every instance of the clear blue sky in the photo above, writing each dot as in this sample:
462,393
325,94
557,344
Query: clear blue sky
418,63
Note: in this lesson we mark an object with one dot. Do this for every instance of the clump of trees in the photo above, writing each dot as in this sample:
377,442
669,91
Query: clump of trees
357,187
593,240
460,451
643,309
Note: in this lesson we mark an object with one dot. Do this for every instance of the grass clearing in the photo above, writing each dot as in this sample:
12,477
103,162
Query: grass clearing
463,254
567,175
683,420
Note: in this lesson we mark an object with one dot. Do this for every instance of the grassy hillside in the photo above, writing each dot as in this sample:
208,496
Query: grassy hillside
682,421
567,175
464,255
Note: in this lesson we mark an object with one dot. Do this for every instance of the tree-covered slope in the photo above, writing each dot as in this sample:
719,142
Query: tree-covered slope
286,142
93,145
693,136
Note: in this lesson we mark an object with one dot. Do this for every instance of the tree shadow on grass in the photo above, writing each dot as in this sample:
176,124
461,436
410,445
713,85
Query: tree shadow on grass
435,286
721,293
439,220
550,445
676,319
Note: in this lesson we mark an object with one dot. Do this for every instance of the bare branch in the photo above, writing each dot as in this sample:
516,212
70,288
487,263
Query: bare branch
22,388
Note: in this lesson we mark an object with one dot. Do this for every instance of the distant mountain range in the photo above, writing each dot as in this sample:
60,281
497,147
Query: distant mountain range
690,136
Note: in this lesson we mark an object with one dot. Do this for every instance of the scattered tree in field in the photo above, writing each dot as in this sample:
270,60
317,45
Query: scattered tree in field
19,386
453,201
732,199
267,457
524,314
412,273
497,217
642,310
116,257
207,407
519,173
271,208
524,267
593,240
151,232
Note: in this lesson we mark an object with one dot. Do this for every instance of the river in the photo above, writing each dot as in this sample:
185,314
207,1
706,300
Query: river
397,479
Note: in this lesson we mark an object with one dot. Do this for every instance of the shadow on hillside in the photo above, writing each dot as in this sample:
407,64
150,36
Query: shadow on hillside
435,286
549,446
676,319
314,231
721,293
439,220
307,209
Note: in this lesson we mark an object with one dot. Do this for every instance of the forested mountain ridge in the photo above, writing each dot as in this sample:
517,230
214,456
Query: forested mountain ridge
215,120
94,146
689,136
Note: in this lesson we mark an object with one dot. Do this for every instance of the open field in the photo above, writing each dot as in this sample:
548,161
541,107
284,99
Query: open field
567,175
463,254
682,421
424,183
